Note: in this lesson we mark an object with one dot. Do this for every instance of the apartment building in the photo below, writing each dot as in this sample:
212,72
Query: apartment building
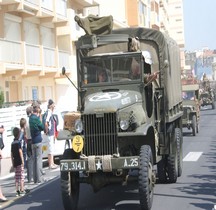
36,41
155,14
37,38
176,22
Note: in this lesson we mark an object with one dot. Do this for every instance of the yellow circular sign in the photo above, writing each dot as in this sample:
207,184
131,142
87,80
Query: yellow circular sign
77,143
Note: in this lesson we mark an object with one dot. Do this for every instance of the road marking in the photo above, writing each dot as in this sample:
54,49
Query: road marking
127,202
192,156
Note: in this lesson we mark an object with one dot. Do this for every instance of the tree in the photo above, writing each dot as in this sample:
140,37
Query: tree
1,98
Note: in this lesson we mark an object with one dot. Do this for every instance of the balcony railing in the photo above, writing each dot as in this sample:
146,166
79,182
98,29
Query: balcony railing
33,55
10,51
48,4
49,57
64,59
35,2
61,7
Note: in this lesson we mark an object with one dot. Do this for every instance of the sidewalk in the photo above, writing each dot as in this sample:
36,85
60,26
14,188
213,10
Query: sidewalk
8,185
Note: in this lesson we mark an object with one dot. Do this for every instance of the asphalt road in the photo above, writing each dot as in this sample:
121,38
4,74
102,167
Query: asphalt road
194,190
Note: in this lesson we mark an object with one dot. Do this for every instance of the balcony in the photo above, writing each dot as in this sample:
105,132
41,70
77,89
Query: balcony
31,3
49,10
80,4
10,51
33,55
18,58
6,2
64,58
10,57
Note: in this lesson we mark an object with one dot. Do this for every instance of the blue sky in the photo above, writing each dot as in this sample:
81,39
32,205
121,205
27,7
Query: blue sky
199,24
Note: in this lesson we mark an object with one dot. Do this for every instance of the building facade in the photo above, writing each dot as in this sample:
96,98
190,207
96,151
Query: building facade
37,38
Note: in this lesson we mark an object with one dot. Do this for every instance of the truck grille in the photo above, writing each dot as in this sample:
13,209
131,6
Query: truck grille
100,133
185,112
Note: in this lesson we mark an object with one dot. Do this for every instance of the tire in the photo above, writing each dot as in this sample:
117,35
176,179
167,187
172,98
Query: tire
161,171
70,185
172,167
179,141
194,125
197,128
146,179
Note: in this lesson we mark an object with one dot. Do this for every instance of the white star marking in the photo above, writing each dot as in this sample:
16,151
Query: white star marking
98,165
105,96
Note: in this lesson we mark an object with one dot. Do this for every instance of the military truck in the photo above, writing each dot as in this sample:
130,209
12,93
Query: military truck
130,128
207,98
206,93
191,107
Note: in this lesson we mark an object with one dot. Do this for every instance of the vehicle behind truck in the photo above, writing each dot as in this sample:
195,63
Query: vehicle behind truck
206,93
128,123
191,107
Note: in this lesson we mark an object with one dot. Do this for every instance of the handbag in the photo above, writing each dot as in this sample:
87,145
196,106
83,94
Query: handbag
1,141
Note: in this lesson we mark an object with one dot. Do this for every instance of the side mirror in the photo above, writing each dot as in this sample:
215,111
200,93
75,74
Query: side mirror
63,70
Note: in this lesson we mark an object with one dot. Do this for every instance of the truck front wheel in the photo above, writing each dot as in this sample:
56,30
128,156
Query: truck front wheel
70,185
146,178
194,125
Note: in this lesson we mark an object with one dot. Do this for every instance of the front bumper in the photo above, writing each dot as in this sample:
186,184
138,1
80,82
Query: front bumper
93,164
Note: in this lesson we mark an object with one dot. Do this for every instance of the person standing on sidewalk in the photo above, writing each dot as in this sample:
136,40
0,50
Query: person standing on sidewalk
50,132
2,197
36,126
29,147
18,162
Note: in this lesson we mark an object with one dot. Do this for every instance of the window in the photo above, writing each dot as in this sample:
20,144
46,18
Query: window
34,93
26,93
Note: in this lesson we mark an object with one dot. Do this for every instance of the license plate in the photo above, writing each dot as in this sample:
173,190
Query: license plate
73,166
116,163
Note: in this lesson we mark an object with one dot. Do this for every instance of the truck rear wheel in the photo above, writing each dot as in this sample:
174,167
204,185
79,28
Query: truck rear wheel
161,171
179,140
172,167
194,125
146,178
70,185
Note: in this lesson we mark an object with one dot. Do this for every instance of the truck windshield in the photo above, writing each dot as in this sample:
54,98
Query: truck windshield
188,95
111,68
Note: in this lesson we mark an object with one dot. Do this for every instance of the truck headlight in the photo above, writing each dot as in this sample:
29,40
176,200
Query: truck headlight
78,126
124,124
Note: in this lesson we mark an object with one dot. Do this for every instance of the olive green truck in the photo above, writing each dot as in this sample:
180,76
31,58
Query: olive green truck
126,124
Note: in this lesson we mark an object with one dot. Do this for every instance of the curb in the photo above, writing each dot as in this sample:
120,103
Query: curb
33,189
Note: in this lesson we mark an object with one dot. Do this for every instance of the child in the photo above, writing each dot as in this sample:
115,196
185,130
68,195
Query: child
18,162
23,139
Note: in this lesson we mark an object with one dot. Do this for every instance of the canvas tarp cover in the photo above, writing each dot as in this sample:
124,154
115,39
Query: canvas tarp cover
167,49
95,25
